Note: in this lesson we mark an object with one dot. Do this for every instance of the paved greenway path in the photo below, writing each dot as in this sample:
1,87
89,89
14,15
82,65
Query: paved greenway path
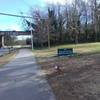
22,79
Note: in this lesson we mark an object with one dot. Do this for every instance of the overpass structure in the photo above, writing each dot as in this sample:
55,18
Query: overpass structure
11,33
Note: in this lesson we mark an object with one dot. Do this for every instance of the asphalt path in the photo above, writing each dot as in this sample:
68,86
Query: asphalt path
23,79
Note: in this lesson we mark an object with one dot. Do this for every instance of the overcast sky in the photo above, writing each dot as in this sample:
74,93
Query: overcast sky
17,6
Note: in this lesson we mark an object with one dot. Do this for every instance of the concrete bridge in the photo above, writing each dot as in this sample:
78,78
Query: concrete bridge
11,33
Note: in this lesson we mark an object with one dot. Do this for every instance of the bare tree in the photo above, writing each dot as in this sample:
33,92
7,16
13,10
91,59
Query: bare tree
74,22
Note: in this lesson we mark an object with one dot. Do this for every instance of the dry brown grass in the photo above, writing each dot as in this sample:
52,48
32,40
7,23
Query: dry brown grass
87,48
6,58
78,80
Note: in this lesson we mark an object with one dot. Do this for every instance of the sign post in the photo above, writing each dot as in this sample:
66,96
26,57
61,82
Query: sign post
31,29
31,37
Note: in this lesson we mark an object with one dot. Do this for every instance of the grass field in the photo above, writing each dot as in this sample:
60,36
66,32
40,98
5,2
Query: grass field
80,49
79,78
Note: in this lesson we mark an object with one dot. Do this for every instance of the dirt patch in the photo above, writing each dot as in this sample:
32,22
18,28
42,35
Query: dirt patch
79,78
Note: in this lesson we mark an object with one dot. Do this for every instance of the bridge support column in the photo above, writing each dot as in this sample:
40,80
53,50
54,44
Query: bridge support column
0,41
3,44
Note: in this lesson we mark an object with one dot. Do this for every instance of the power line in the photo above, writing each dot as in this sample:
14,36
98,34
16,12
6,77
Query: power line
13,15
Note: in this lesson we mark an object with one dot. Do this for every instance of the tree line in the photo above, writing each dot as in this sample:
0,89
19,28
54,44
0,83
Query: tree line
77,22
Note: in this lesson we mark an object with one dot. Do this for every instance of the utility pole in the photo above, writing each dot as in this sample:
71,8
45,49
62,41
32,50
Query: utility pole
31,29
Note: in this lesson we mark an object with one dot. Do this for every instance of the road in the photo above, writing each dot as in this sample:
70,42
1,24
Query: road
23,79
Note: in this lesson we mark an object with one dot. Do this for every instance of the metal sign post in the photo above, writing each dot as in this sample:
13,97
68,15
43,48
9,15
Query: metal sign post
31,37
